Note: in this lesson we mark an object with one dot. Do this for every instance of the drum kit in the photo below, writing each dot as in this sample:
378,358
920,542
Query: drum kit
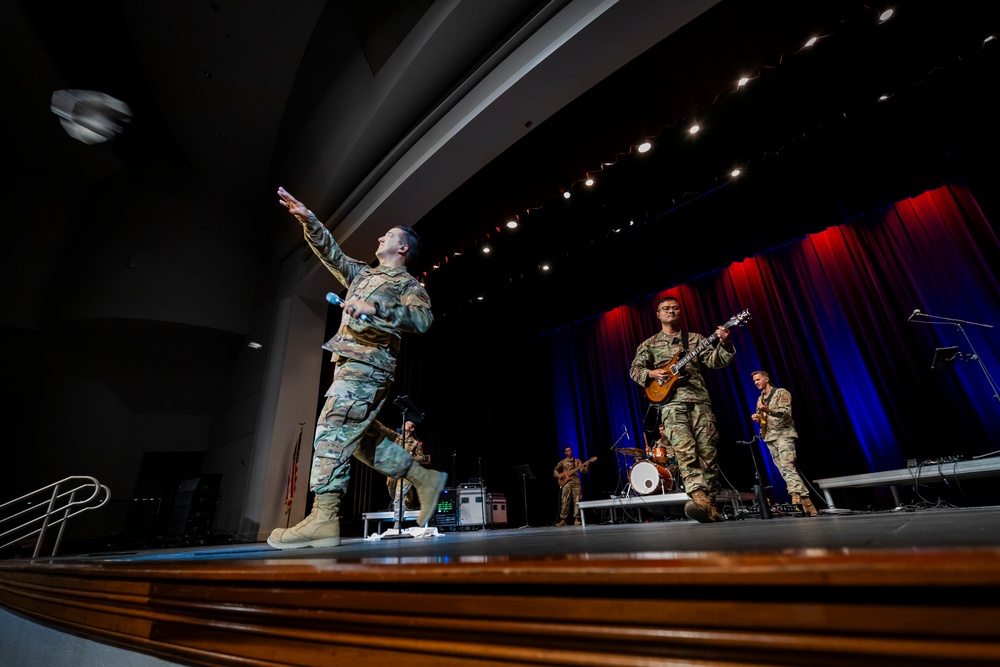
650,472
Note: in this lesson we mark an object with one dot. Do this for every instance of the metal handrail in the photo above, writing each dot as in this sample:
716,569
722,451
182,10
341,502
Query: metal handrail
61,504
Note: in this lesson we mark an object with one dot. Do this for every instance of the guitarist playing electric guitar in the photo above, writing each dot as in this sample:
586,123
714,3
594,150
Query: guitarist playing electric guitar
566,472
686,409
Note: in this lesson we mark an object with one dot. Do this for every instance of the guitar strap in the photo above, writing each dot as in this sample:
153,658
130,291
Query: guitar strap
684,340
770,395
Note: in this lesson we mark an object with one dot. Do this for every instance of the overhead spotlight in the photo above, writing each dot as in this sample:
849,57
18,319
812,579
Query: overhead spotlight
883,98
512,224
886,15
742,82
566,194
589,181
644,146
479,298
486,250
544,267
811,41
989,39
694,129
735,172
631,222
90,116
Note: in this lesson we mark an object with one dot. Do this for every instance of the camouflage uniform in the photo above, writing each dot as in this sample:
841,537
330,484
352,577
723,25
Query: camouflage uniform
687,417
780,436
415,448
365,357
570,490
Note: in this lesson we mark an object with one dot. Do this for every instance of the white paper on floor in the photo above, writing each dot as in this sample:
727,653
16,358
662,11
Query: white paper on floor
414,531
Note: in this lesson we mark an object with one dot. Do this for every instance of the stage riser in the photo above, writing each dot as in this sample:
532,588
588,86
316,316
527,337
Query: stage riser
736,610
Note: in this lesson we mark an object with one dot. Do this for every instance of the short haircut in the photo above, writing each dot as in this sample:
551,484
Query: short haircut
412,241
666,298
767,376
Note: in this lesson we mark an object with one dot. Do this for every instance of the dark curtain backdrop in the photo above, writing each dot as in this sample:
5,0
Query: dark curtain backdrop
829,322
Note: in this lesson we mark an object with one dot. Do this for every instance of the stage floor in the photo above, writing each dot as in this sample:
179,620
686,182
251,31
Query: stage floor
898,587
932,529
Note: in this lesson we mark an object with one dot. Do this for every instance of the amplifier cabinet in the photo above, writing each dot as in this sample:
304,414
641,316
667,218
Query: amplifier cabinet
470,507
496,509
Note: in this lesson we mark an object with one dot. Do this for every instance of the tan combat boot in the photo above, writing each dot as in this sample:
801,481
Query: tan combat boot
714,514
561,522
807,506
699,507
320,529
429,484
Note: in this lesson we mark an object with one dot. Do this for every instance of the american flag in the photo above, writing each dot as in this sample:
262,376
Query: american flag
293,473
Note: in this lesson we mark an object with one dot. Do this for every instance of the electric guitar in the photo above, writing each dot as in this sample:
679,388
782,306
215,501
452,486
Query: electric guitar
762,416
565,474
658,391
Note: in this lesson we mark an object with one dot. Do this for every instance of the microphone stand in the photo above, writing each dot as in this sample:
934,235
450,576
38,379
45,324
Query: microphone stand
404,404
618,465
937,319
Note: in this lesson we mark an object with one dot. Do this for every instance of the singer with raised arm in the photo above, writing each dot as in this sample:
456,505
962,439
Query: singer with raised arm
777,430
364,353
686,410
567,471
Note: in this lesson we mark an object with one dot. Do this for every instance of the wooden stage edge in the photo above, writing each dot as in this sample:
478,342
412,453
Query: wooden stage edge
810,607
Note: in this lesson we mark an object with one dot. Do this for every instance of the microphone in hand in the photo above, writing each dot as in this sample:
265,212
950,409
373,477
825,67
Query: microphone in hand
337,301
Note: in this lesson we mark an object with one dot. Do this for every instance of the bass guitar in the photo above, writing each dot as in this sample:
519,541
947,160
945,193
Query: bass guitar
658,391
565,474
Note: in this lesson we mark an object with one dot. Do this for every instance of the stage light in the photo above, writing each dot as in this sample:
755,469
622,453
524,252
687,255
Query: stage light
883,98
694,129
512,224
885,16
566,194
644,146
90,116
254,345
589,181
811,41
545,267
742,82
486,250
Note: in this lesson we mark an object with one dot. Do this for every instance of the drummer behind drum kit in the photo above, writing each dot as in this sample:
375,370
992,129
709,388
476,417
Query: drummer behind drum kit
650,472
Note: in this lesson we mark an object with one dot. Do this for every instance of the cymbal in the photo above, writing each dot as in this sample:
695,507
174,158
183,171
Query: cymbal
631,451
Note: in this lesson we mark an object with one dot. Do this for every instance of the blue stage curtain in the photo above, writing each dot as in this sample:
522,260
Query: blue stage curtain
828,322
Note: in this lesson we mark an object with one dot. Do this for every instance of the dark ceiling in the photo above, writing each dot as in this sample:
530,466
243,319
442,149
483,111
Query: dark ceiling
247,96
815,145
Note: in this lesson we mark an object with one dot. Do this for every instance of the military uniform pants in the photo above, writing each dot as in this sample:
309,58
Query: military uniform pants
345,429
691,429
570,501
783,452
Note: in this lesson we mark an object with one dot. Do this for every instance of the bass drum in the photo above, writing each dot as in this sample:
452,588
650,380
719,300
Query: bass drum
647,478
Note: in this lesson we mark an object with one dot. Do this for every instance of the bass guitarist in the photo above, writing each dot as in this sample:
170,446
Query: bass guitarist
686,412
567,471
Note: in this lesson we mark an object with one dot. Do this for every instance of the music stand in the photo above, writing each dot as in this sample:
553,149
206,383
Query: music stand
525,472
944,358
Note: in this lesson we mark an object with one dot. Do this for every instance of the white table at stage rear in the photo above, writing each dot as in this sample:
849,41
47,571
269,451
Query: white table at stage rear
621,502
388,515
923,474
